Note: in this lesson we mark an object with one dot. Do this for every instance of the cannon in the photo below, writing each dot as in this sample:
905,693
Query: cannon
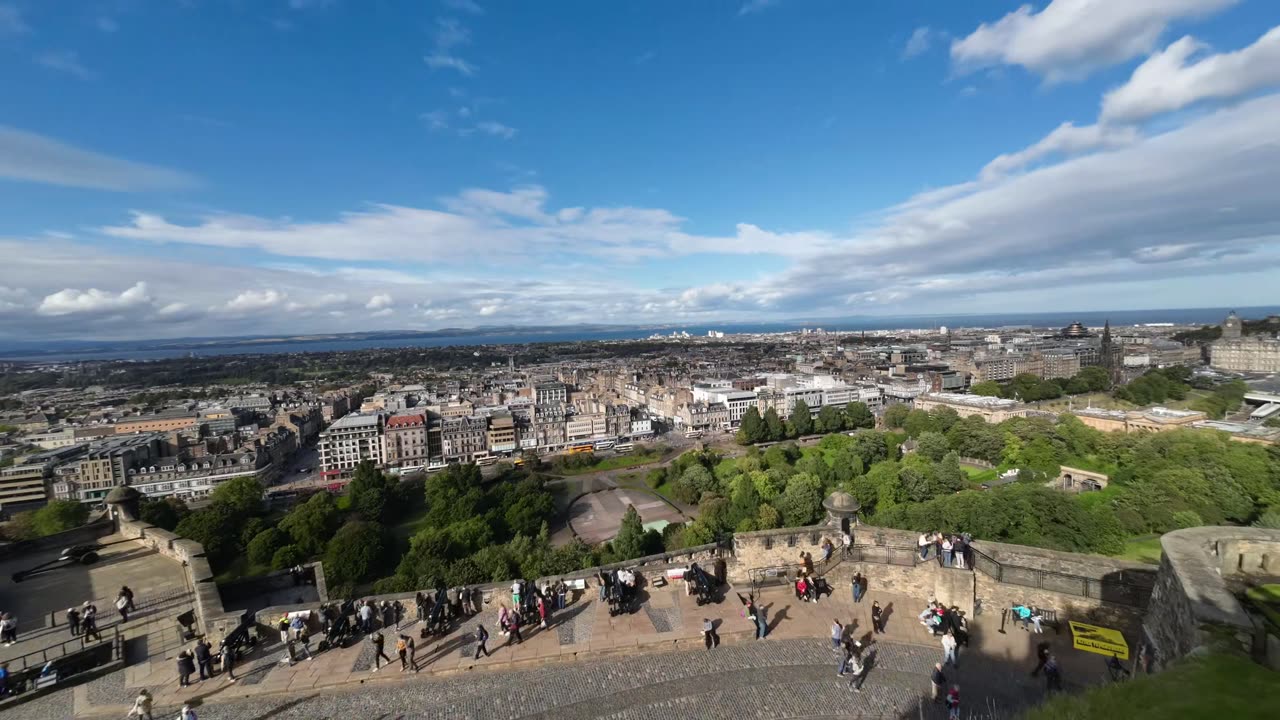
706,586
74,555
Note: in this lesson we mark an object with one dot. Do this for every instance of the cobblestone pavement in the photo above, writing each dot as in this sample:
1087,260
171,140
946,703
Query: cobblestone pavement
768,679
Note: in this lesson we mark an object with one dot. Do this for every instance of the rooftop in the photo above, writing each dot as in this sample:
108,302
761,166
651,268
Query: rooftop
398,421
981,401
355,421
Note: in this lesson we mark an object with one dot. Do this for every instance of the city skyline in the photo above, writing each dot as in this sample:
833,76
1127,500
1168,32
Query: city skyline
465,164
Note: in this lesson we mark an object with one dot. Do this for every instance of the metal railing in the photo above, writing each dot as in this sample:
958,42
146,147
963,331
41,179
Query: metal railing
144,604
39,658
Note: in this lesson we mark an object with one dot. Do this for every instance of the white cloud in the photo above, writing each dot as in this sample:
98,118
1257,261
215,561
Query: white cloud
918,43
66,61
436,119
754,6
469,6
93,301
1166,82
379,302
1069,39
384,312
1067,139
449,34
35,158
11,22
252,301
444,61
496,129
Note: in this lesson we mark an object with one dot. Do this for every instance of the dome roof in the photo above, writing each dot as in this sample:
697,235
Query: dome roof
841,502
122,494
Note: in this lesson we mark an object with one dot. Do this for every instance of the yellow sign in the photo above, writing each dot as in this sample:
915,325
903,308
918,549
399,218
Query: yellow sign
1100,640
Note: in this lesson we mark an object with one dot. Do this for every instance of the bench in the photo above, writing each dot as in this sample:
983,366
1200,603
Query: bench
1048,618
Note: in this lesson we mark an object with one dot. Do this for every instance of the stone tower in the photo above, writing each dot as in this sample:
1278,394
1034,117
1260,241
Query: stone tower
1231,327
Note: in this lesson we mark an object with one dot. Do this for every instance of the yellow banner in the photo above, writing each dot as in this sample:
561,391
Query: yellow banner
1100,640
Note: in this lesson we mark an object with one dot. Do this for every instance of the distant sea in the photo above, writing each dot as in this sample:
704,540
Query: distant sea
156,350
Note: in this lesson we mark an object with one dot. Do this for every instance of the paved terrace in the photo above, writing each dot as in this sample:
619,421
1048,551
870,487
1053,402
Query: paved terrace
650,664
160,586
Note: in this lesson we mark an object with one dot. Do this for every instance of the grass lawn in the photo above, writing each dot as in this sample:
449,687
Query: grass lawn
410,526
1146,549
1213,686
977,476
611,463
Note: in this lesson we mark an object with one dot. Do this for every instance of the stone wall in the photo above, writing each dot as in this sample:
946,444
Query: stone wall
213,619
83,535
1194,604
777,548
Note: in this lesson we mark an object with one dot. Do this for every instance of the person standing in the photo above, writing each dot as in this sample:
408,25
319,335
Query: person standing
924,542
482,637
303,642
142,706
186,668
858,585
709,635
542,612
366,618
877,617
762,625
948,552
837,634
73,621
379,655
949,650
228,660
89,625
204,661
939,682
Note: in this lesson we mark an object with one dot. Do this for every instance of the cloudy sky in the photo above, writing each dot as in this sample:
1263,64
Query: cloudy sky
213,167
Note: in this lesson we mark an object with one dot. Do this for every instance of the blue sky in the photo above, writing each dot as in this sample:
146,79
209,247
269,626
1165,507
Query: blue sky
204,167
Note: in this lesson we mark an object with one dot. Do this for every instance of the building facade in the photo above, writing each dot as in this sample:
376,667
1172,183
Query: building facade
349,441
404,441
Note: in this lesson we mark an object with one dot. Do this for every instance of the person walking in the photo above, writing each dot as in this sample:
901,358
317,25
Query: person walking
877,617
939,682
187,713
228,660
186,668
762,624
379,655
73,621
858,667
413,654
1052,675
846,654
204,661
709,635
542,612
142,706
837,635
8,629
89,626
513,626
1042,657
953,703
482,637
949,650
858,585
303,643
402,651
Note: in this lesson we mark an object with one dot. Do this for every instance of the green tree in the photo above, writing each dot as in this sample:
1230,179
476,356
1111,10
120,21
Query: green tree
917,422
312,523
528,508
1095,379
163,513
216,527
746,501
629,543
287,557
830,419
951,477
752,430
264,545
768,518
693,482
801,502
801,419
858,415
243,495
932,445
59,516
895,415
988,388
355,553
371,492
777,430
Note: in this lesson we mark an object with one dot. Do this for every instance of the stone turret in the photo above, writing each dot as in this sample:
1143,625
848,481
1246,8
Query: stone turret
1232,328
